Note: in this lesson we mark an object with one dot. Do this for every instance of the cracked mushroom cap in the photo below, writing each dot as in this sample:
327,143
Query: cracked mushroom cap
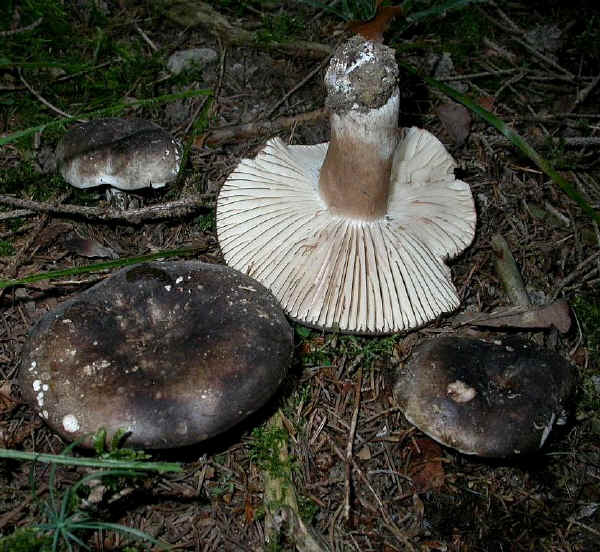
329,271
173,353
490,399
128,154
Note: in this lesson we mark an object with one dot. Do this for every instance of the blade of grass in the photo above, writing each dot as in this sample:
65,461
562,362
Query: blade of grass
61,273
121,529
160,467
107,111
516,139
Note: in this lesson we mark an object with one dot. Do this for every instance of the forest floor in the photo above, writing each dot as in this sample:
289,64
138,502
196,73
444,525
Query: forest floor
535,65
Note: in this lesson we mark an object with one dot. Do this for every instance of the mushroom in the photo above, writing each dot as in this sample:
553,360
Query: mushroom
352,234
173,353
126,154
491,399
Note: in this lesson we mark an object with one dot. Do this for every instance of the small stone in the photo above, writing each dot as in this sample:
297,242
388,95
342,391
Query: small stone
184,60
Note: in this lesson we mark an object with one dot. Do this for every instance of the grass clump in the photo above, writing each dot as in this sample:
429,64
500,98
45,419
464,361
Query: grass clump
26,540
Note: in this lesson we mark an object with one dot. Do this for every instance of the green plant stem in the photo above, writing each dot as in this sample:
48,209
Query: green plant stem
515,138
160,467
183,252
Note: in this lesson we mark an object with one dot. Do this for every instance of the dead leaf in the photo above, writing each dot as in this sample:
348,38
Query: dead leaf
374,29
249,511
557,315
426,470
487,102
364,453
50,233
456,120
88,248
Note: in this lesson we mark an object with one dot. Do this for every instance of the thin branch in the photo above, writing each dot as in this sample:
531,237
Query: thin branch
570,141
35,24
298,86
250,130
173,209
584,94
146,38
42,99
350,446
16,214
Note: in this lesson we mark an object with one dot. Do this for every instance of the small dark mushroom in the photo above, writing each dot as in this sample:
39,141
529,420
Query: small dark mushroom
125,154
491,399
173,353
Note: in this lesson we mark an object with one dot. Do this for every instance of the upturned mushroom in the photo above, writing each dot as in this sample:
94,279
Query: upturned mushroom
125,154
352,234
490,399
173,353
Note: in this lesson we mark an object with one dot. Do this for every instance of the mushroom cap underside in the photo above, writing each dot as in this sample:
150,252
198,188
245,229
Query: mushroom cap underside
128,154
333,272
490,399
173,352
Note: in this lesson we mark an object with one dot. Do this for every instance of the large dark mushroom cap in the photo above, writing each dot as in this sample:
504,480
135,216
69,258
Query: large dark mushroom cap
173,352
490,399
128,154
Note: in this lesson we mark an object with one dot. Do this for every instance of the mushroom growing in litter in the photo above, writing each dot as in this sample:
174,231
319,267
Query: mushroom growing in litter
125,154
173,353
491,399
352,234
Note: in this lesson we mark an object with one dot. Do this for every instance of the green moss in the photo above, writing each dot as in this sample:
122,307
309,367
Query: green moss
278,28
26,540
6,248
264,450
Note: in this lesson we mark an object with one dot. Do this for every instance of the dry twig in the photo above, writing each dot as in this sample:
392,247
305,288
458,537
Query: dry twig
249,130
173,209
12,32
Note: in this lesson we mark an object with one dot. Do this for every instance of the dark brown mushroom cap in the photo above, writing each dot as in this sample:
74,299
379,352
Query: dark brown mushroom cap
490,399
128,154
173,352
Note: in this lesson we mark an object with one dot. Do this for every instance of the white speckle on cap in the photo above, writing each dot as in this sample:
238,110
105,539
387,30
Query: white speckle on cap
179,280
37,385
33,365
168,288
70,423
67,321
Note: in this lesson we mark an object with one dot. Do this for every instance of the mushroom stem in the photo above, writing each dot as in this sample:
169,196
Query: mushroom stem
364,101
355,176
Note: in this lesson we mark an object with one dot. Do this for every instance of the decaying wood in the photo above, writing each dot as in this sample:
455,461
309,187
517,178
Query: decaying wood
189,13
171,210
281,505
509,274
555,315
